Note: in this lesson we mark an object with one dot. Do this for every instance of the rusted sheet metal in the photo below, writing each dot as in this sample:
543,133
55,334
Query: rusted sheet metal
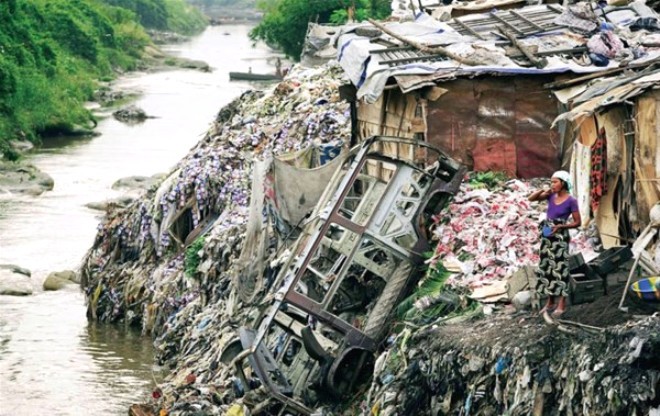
538,146
496,155
495,110
497,124
536,156
452,121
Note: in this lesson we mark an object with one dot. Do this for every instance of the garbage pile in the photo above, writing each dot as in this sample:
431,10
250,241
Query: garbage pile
141,271
516,365
135,271
491,230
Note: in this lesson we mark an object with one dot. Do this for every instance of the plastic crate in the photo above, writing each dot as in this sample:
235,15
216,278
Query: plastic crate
610,260
585,289
575,261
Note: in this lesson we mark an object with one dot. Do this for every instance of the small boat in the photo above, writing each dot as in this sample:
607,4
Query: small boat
647,289
251,76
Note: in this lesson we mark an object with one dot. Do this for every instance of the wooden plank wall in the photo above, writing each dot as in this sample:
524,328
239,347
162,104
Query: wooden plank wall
394,114
646,154
608,213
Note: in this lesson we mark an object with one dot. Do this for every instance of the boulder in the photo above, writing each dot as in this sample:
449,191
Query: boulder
194,64
121,202
137,182
21,146
69,275
22,178
83,131
16,269
107,96
14,284
130,114
53,282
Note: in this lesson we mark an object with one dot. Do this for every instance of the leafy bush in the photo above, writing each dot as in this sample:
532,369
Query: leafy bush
285,22
364,9
488,179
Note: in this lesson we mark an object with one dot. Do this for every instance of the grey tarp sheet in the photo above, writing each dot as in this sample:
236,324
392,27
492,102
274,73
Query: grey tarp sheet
297,190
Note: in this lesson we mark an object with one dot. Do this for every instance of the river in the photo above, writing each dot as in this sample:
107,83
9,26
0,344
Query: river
51,360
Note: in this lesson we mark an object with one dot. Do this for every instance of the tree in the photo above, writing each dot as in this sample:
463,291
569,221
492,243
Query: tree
285,21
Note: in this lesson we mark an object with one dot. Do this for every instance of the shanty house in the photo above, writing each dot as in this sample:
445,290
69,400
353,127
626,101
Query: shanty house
615,158
479,86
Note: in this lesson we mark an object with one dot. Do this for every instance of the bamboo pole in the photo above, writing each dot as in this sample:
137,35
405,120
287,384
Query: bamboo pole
436,50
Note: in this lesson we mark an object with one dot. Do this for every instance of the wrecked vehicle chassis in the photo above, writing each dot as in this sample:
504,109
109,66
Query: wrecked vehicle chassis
354,261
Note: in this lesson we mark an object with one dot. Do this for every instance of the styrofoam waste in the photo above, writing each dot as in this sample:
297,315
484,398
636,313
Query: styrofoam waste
522,300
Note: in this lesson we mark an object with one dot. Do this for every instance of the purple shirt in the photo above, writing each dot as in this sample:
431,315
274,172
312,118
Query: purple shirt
563,210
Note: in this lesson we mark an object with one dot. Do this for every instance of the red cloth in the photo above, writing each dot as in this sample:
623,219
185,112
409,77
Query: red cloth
598,177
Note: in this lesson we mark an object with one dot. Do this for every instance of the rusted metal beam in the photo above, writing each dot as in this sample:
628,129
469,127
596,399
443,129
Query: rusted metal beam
438,50
526,20
509,25
539,63
469,29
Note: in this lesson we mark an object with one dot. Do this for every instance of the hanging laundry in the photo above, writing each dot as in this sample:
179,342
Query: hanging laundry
598,179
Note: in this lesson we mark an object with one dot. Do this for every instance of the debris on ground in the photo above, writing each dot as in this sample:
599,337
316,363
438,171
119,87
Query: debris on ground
168,263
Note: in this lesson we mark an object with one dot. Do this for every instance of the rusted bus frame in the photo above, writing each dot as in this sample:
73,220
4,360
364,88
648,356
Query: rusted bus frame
255,361
329,218
312,244
330,215
355,337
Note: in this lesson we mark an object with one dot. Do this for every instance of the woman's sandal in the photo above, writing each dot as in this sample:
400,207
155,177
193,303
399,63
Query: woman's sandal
558,313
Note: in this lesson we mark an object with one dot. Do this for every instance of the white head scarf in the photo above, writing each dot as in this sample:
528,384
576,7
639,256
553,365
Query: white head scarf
565,177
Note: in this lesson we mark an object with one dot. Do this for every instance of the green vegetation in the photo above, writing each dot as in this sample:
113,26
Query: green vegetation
223,3
52,52
431,289
488,180
172,15
192,257
182,18
285,21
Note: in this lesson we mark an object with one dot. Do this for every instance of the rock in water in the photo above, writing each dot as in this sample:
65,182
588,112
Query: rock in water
21,178
53,282
130,114
16,269
14,284
121,202
69,275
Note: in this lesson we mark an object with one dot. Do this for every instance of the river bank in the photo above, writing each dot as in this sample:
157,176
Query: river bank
22,177
52,232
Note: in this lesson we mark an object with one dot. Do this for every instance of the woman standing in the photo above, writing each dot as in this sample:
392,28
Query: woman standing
562,214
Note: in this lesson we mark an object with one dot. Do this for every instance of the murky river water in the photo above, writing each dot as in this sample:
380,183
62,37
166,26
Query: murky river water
52,362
